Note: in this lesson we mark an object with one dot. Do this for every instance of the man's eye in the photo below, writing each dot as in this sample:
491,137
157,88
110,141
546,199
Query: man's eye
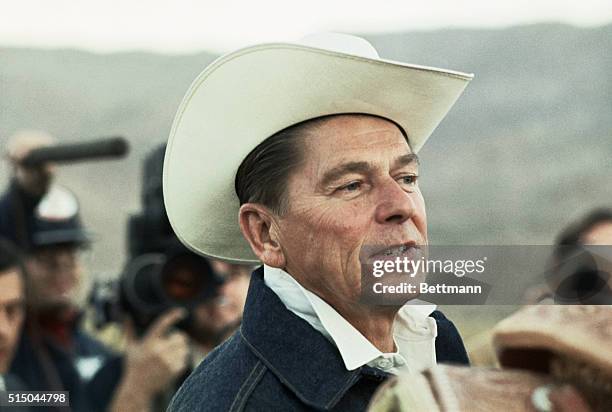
351,187
409,180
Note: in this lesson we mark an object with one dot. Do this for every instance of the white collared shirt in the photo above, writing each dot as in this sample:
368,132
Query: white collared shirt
414,332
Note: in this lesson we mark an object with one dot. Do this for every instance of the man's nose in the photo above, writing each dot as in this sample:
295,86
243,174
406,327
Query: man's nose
394,204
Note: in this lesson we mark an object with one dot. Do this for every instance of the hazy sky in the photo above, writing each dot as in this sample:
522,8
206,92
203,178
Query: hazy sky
190,25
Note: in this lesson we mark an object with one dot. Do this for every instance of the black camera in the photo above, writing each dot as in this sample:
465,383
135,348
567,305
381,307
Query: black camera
161,273
156,282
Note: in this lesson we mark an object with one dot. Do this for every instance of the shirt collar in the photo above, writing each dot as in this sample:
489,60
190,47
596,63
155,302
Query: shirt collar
412,326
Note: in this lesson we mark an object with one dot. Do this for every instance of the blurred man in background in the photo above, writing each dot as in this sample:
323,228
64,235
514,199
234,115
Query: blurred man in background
582,261
215,321
185,336
190,303
578,273
580,264
54,352
215,311
12,311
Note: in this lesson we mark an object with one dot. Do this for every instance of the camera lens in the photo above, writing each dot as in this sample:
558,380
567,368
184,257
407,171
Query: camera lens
183,277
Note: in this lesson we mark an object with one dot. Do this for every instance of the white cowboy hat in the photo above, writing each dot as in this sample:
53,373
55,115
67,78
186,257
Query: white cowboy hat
246,96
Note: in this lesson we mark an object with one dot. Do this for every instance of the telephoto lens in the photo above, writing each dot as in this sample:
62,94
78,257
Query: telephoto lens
156,282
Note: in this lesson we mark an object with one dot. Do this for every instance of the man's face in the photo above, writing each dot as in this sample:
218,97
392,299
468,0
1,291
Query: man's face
224,313
55,276
12,313
356,192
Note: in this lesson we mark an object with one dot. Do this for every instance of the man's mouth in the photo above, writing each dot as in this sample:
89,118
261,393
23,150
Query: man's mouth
409,250
396,251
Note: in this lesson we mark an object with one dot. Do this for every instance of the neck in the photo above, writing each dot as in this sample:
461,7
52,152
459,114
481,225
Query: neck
58,324
373,322
56,314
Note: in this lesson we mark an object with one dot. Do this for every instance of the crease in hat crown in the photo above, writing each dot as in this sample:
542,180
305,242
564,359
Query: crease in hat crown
247,95
341,43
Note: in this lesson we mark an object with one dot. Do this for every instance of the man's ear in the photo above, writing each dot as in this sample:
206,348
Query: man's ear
257,226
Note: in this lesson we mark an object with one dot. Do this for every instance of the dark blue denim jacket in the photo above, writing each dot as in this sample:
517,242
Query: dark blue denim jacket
278,362
43,365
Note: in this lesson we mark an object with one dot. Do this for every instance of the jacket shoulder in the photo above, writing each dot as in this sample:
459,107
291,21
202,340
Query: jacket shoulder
449,344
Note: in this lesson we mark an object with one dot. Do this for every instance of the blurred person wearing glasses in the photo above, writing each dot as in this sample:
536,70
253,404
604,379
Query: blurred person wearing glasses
215,321
192,332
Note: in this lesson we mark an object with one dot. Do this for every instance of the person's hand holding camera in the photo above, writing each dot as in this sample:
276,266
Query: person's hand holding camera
152,363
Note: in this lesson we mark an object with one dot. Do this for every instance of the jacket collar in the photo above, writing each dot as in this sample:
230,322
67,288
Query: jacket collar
414,331
301,357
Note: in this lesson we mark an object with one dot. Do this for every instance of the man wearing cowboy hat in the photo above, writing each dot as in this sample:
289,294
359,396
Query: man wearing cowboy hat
303,157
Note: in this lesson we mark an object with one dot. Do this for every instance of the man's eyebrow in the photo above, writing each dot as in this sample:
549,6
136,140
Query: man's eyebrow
337,172
405,160
362,167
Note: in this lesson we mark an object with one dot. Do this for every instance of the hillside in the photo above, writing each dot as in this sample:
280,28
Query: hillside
526,149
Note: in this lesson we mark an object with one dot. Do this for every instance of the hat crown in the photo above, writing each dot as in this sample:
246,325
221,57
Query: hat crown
248,95
341,43
58,204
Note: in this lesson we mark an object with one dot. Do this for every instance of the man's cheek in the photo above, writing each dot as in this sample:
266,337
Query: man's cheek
420,217
325,231
347,222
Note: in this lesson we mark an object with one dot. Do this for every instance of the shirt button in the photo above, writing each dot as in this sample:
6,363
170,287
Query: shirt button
384,363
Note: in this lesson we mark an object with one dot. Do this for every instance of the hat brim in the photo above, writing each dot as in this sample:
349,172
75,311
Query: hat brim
537,328
245,97
77,237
